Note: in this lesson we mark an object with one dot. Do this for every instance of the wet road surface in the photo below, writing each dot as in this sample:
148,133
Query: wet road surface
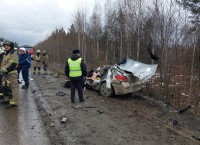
22,125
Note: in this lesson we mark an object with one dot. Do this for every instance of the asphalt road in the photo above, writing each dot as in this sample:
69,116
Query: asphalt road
22,125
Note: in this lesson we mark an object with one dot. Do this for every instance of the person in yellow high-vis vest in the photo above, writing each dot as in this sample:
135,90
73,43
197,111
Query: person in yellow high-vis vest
75,69
9,71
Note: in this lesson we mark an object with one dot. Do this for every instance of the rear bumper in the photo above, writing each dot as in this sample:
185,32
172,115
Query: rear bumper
123,88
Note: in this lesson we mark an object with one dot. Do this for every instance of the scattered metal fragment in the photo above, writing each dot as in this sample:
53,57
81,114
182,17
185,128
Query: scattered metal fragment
52,124
173,121
184,109
64,120
90,107
61,94
33,127
77,106
33,91
99,111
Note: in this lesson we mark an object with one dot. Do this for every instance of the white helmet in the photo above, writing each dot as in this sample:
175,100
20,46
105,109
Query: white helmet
38,51
22,48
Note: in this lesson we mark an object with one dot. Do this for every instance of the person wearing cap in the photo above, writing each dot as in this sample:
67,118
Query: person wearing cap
24,65
45,59
37,61
75,69
8,69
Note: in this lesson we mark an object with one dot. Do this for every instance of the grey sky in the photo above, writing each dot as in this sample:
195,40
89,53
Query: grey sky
31,21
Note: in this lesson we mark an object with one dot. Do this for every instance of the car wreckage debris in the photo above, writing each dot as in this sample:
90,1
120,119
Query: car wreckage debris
90,107
64,120
33,91
61,94
184,109
77,106
52,124
100,112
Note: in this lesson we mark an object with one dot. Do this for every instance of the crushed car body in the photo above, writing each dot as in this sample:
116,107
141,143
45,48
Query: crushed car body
120,79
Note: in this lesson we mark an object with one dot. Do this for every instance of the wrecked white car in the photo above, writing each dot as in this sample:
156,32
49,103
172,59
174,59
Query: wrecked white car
120,79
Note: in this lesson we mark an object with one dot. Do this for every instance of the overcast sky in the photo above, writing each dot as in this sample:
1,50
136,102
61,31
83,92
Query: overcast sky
31,21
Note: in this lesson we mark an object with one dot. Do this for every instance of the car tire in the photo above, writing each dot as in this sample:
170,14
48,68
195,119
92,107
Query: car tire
105,91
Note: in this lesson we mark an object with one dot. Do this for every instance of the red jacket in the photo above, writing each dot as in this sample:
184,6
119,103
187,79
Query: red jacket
31,52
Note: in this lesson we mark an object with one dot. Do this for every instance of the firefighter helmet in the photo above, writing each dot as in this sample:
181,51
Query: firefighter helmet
9,43
38,51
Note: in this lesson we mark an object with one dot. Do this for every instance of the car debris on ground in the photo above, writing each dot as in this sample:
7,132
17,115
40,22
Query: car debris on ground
64,120
77,106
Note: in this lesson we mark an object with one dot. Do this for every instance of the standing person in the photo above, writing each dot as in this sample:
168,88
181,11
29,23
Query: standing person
75,69
24,64
8,69
45,59
37,61
18,67
32,51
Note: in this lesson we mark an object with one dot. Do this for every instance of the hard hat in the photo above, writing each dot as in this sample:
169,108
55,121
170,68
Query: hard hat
44,52
38,51
9,43
22,48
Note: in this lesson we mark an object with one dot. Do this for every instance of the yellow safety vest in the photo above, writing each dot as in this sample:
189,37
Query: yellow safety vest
75,67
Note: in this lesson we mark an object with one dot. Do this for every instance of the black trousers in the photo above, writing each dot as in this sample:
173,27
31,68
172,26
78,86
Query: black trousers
79,85
25,75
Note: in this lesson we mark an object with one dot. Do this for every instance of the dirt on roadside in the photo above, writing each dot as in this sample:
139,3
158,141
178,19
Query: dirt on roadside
128,120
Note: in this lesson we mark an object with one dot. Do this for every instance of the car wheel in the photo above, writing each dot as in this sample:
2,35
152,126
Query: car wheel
105,91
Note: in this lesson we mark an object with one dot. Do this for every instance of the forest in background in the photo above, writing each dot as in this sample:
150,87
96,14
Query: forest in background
125,28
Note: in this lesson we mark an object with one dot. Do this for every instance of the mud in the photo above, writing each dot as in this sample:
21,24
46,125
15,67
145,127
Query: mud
22,125
128,120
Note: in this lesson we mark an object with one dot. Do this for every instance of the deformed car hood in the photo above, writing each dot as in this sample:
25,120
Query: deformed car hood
138,69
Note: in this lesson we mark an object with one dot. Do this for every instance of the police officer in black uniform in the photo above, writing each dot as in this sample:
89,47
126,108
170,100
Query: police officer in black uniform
75,69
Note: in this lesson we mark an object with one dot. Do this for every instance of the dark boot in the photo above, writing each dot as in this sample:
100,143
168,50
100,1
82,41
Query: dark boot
26,86
10,106
4,101
82,100
19,82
